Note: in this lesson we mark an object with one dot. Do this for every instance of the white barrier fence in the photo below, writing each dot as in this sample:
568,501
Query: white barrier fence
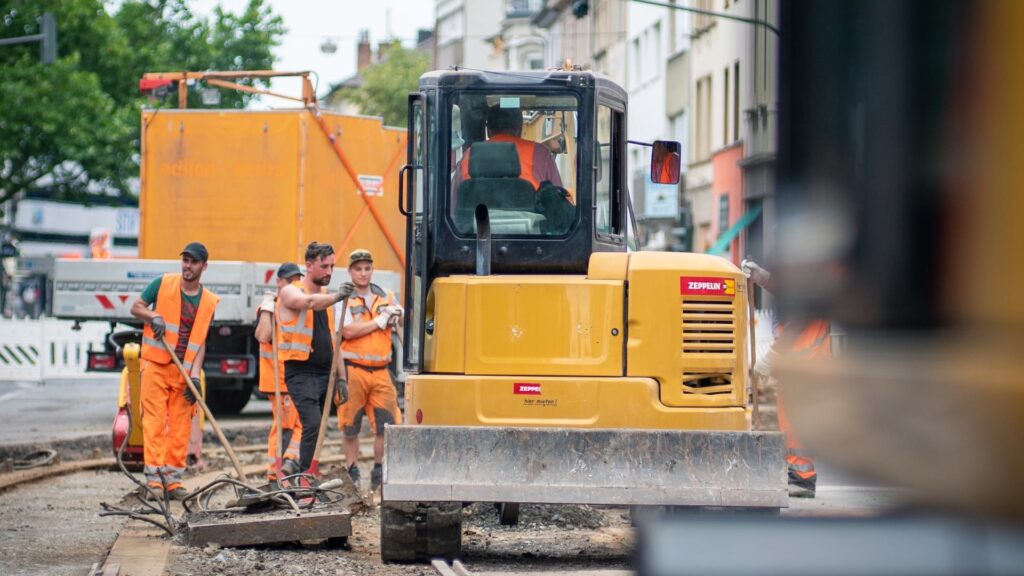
44,349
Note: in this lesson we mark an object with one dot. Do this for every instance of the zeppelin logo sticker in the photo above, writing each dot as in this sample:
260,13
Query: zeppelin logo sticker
526,389
704,286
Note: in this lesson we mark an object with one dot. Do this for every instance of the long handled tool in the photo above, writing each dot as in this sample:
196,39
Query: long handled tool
278,457
206,410
751,375
314,467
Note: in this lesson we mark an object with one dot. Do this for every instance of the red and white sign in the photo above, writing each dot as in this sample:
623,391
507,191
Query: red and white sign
706,286
526,389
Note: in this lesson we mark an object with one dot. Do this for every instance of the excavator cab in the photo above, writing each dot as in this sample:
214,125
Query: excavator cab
541,153
546,363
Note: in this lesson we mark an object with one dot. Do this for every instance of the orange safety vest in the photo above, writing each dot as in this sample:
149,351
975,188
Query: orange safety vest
267,360
524,148
373,349
814,341
296,337
168,305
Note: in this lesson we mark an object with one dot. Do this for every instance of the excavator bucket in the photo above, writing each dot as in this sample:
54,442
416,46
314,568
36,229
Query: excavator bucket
585,466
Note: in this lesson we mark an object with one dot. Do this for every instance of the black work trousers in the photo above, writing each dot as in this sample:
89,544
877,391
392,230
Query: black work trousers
309,393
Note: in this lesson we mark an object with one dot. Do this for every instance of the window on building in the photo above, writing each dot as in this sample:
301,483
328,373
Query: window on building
655,46
725,109
702,124
723,213
701,22
637,61
736,101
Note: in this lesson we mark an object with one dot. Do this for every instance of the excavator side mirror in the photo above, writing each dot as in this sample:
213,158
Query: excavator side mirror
665,162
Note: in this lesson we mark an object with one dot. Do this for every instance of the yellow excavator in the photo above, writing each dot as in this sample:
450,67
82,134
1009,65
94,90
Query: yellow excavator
546,362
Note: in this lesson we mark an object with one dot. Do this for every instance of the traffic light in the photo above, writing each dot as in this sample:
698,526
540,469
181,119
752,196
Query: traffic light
580,8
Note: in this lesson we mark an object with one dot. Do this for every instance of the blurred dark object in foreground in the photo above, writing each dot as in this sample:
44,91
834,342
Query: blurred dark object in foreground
901,201
708,545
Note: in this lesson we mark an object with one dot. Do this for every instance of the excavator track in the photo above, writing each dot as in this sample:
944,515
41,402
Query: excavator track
420,531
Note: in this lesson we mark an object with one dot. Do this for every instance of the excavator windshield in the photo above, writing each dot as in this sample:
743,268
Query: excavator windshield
517,154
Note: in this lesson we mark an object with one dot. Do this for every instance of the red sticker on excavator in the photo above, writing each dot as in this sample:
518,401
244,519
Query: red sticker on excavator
706,286
528,389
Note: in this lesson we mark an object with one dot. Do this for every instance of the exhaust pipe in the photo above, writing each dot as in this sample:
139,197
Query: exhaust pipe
483,241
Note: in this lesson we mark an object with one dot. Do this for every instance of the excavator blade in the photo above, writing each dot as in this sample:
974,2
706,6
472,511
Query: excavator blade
548,465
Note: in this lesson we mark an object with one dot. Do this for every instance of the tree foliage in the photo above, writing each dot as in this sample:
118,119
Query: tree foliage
72,128
386,85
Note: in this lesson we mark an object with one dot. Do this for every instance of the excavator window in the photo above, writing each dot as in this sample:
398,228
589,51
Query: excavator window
515,153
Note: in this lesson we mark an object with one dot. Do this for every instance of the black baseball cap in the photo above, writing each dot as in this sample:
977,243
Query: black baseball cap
197,251
289,269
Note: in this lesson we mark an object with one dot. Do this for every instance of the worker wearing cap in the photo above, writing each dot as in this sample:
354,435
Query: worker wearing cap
181,316
371,315
287,273
307,344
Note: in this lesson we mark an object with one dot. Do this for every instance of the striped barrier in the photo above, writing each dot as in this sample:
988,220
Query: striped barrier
36,350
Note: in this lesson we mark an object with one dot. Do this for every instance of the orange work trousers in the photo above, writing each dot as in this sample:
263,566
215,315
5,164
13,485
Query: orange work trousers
166,424
291,424
799,463
370,392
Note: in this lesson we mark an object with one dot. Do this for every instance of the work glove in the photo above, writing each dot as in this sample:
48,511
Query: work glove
763,366
759,275
345,290
188,391
382,320
340,393
268,303
159,327
395,311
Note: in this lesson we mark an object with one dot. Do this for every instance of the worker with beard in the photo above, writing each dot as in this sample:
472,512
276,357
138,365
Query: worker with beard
181,315
307,341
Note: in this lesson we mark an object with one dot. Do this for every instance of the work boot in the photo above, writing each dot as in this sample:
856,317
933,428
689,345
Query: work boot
151,494
353,472
802,487
376,475
179,493
289,467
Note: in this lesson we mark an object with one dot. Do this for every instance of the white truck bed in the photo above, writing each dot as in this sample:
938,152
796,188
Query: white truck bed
105,289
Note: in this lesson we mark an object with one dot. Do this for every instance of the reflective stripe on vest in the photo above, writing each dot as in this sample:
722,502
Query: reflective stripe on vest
168,305
373,349
296,337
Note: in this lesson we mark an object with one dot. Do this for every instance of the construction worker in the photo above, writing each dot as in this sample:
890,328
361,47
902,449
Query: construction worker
181,316
291,426
307,341
804,340
536,164
366,347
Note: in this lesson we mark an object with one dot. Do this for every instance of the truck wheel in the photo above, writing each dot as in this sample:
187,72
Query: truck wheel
227,402
508,514
420,531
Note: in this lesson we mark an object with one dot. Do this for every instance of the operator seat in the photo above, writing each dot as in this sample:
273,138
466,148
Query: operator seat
493,181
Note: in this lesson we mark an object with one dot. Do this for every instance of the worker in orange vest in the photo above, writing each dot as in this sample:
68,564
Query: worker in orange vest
536,164
291,426
371,316
181,315
803,340
307,341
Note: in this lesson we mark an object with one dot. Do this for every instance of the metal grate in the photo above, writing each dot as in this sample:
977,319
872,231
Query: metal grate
709,327
707,383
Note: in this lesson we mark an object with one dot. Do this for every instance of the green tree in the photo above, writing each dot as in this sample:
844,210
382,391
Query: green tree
72,128
386,85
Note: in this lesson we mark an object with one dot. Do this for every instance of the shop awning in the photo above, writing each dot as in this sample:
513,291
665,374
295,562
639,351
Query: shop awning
725,238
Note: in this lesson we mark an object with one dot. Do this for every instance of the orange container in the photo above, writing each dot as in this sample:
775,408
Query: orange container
260,185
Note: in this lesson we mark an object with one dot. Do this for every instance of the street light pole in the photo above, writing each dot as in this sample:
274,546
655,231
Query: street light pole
47,36
753,21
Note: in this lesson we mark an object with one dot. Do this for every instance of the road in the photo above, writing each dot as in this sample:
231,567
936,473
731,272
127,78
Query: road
68,409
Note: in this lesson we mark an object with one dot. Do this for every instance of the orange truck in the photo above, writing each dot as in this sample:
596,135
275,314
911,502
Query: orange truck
255,187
